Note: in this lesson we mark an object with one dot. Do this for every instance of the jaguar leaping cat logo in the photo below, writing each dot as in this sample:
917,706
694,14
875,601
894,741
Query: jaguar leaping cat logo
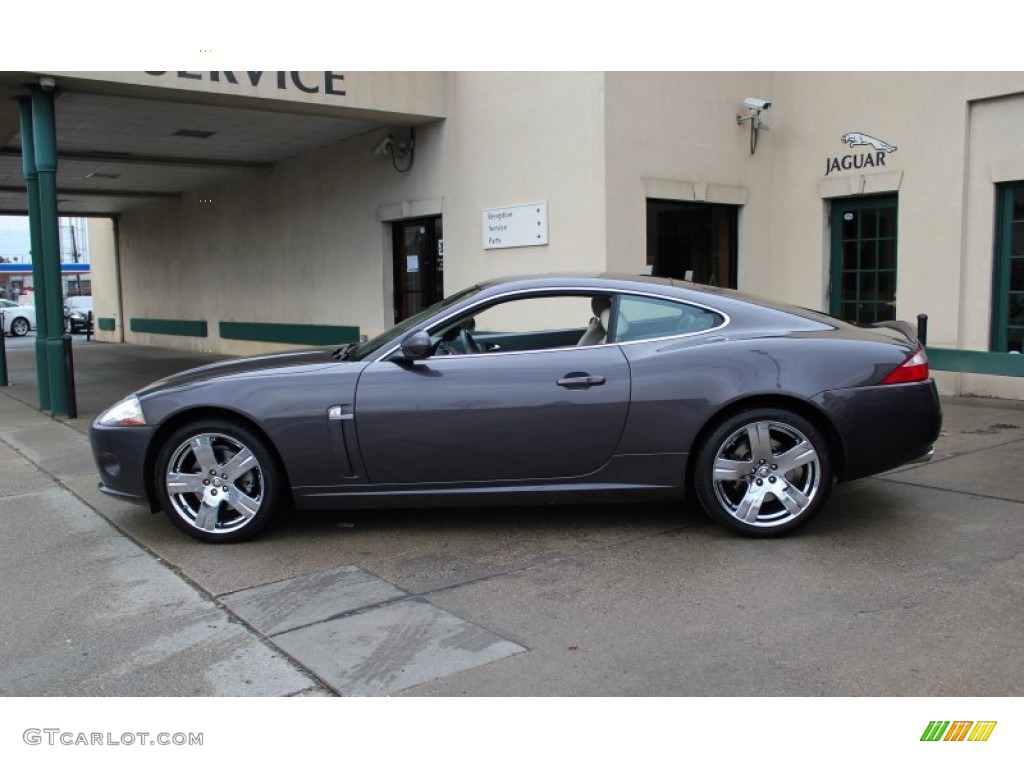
862,139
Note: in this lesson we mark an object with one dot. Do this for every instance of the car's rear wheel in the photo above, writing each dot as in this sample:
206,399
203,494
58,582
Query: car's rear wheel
218,481
19,326
763,472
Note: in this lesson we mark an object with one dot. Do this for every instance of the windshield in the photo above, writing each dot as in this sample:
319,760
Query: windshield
368,348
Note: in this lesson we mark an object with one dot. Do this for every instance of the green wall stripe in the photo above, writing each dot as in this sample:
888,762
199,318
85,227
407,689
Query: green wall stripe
974,361
106,323
168,327
287,333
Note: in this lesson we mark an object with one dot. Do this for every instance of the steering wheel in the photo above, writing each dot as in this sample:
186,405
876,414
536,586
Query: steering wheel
468,342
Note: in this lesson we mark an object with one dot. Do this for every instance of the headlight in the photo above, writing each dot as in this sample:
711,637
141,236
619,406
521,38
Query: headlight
126,413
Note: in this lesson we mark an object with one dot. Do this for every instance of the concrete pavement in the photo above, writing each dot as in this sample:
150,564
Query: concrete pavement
90,612
908,584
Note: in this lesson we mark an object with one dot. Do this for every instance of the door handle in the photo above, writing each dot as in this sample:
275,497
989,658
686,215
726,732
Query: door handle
580,381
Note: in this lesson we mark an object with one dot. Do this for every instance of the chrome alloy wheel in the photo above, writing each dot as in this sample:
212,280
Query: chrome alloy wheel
19,326
766,474
214,483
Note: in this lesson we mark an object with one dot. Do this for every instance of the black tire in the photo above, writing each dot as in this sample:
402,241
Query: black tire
231,467
19,326
763,472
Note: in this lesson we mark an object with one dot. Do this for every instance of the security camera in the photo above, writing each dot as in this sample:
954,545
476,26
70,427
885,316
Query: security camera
757,104
47,83
384,145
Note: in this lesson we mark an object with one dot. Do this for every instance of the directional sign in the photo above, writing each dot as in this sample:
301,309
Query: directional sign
516,226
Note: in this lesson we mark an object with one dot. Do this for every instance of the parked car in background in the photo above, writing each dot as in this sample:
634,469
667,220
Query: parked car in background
545,389
77,313
17,319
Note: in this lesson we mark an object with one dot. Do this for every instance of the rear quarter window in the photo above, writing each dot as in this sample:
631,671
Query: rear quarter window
645,317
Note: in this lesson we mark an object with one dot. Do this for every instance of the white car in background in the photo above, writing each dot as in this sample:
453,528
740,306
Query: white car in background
18,319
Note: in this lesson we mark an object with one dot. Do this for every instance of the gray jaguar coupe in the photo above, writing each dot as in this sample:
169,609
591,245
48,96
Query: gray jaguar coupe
536,390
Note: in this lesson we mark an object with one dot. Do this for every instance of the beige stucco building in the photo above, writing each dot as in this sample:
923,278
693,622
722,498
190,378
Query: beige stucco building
257,210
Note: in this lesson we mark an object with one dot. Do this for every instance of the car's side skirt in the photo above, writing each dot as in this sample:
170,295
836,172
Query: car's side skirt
650,476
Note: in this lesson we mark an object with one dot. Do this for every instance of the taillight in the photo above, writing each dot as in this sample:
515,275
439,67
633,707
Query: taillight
914,368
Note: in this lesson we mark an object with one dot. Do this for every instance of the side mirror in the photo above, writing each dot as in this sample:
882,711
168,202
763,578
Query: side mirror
417,346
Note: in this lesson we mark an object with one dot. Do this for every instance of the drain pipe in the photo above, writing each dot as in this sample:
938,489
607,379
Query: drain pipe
119,323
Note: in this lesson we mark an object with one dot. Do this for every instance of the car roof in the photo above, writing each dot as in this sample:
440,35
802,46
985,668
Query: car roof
610,281
594,279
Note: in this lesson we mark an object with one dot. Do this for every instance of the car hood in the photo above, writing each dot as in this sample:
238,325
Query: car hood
277,364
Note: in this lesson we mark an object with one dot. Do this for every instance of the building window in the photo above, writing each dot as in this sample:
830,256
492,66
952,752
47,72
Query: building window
1008,270
692,241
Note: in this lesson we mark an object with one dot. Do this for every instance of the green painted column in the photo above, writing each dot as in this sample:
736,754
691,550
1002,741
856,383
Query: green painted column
44,134
28,164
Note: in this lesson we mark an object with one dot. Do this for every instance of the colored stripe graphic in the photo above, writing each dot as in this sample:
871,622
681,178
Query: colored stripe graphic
982,730
960,730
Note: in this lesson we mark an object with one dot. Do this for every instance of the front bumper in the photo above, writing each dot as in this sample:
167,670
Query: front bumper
121,495
120,455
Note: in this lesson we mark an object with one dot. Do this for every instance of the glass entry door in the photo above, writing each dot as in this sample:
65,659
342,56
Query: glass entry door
863,273
418,265
1008,271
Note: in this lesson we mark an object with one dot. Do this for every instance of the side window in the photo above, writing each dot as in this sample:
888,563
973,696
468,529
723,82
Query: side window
643,317
527,323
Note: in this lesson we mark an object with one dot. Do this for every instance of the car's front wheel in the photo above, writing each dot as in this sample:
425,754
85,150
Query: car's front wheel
19,326
218,481
763,472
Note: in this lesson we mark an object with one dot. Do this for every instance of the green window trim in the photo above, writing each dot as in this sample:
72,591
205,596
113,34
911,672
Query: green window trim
289,333
168,327
975,361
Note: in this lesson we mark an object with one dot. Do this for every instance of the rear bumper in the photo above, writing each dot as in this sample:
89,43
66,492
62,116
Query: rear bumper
924,458
883,427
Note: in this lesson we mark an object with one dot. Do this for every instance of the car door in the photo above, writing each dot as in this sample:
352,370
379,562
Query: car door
528,410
